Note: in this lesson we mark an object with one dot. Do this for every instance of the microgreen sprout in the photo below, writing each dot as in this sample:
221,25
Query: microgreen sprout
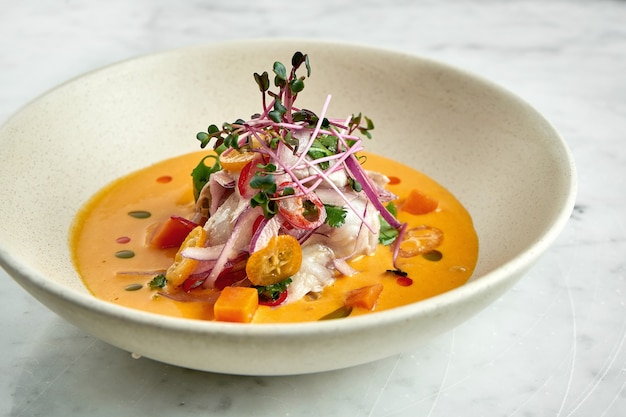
317,144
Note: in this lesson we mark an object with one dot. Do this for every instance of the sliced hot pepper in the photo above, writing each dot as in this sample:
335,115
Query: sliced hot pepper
303,211
246,175
270,302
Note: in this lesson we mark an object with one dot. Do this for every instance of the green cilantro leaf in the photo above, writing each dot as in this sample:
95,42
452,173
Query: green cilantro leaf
273,291
157,282
201,173
335,215
387,234
324,145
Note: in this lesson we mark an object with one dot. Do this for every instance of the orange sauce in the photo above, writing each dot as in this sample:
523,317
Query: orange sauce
110,251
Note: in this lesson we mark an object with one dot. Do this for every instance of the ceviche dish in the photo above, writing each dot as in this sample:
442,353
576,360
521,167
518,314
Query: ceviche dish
282,216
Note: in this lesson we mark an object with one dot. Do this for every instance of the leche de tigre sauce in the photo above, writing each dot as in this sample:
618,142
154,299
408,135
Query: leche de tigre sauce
110,251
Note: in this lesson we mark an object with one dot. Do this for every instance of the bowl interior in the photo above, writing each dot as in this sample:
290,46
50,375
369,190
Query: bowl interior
494,152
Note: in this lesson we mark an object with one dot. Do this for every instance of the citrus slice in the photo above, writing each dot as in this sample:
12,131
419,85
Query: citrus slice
182,267
419,240
234,160
279,260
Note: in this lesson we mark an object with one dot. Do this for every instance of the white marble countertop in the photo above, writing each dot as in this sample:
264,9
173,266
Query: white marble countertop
553,346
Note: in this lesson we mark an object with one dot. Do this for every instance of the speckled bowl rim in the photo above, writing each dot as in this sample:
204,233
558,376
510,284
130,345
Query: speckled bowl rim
29,277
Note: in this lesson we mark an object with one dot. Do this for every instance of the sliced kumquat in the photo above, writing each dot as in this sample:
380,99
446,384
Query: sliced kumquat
419,240
182,267
280,259
234,160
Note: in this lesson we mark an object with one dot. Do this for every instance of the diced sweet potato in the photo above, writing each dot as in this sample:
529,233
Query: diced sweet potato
364,297
236,304
419,203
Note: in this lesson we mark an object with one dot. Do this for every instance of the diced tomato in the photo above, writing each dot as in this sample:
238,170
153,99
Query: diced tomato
172,233
194,281
233,272
228,277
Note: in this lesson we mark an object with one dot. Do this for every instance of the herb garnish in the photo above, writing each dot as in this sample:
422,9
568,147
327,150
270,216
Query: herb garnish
388,233
157,282
201,173
273,292
304,149
335,215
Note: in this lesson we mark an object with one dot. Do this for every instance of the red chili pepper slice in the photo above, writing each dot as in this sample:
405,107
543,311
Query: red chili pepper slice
303,211
273,303
246,175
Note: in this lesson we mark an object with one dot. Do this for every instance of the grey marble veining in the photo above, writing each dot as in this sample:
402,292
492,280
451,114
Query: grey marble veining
552,346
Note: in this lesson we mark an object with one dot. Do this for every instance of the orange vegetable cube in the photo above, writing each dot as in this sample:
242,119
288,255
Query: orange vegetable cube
172,233
364,297
419,203
236,304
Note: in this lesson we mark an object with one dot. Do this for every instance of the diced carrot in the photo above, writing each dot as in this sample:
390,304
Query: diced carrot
364,297
236,304
419,203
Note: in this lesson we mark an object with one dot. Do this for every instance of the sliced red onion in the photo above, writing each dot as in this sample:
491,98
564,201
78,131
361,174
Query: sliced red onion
204,267
208,253
219,189
224,178
359,174
140,273
267,229
379,181
238,240
187,297
302,235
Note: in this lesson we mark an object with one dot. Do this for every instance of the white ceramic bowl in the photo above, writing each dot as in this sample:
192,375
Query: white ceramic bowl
506,164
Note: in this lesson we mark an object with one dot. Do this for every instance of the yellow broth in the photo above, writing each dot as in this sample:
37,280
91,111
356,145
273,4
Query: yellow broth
109,245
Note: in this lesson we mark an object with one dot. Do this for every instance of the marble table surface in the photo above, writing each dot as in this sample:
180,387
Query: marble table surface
552,346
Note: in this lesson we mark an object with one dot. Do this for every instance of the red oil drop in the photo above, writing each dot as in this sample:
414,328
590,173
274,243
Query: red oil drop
394,180
404,281
164,179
